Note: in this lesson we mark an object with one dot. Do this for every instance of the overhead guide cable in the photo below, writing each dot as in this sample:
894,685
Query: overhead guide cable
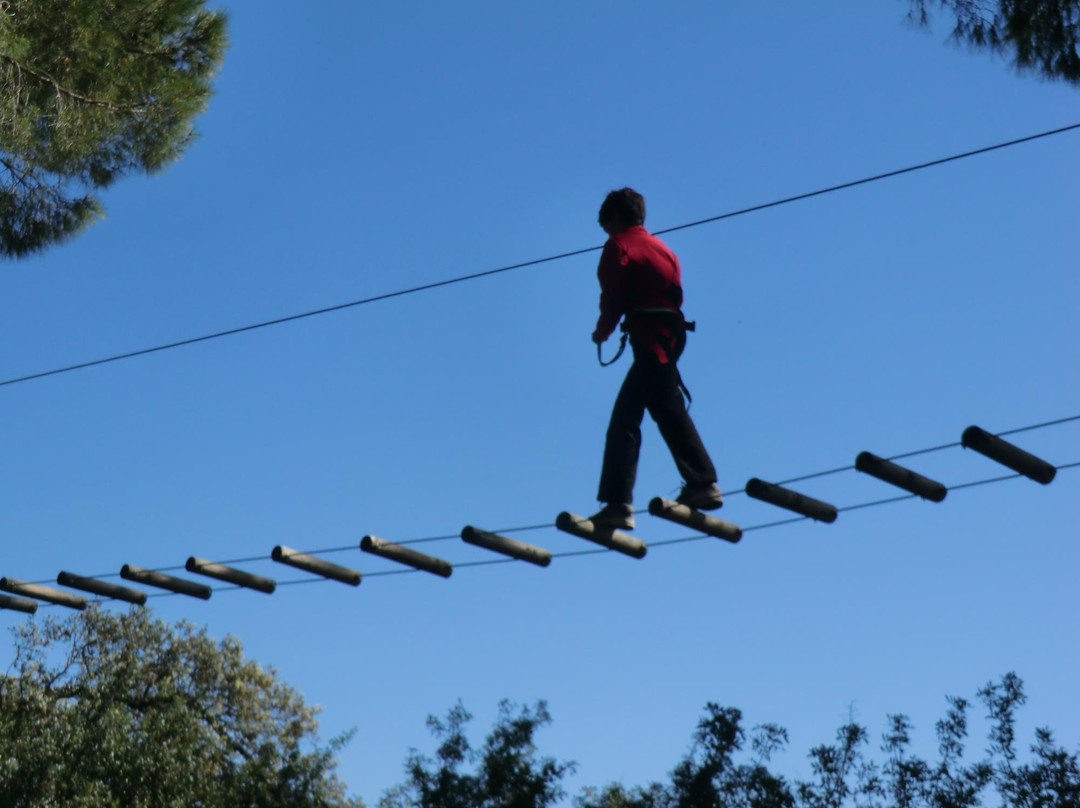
523,264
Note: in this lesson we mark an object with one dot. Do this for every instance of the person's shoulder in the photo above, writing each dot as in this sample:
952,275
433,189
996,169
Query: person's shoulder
633,235
644,237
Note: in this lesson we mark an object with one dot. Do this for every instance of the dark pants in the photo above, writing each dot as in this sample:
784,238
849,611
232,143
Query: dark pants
655,387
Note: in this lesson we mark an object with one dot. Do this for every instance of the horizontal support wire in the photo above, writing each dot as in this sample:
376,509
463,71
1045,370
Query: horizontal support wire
1039,426
986,482
598,550
876,502
446,537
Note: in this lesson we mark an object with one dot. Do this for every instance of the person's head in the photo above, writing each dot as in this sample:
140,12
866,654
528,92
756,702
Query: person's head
622,210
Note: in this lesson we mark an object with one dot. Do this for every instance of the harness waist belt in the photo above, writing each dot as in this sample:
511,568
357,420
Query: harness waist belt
673,317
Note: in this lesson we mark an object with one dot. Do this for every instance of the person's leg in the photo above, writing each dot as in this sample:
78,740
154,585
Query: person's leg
623,443
666,406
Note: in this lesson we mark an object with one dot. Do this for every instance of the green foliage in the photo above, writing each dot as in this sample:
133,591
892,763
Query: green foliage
1037,35
127,711
90,91
709,777
505,773
719,773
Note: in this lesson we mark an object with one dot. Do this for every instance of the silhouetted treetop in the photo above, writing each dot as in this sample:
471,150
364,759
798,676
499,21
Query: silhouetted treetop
1034,35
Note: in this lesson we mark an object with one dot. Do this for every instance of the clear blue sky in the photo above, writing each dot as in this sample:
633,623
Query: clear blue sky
353,149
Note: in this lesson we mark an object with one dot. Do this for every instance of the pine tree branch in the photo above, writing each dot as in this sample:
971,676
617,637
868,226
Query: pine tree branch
17,175
62,90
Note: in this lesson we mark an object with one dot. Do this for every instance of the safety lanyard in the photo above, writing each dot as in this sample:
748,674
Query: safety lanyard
618,353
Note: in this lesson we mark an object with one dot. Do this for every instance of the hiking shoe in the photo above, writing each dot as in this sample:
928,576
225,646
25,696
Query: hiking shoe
614,516
700,497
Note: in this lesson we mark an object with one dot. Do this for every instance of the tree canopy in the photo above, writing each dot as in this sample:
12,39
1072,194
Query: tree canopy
103,710
91,91
507,773
729,767
125,710
1035,35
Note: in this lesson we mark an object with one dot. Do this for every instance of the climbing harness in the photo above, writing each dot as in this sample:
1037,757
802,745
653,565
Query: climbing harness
673,318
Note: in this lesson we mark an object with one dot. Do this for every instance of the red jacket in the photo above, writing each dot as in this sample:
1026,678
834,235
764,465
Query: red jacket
638,271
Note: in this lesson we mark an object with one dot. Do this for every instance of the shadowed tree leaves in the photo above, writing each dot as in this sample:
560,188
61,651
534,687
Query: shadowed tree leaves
1035,35
100,710
905,777
505,773
841,772
718,772
709,777
1052,779
91,91
952,783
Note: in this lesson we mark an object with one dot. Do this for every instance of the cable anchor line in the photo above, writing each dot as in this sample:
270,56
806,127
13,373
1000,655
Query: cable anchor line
30,607
1022,462
523,264
883,176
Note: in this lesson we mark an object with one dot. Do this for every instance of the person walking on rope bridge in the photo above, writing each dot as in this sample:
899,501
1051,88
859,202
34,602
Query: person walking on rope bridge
641,282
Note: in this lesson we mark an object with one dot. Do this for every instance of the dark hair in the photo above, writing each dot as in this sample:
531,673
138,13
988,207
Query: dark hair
625,204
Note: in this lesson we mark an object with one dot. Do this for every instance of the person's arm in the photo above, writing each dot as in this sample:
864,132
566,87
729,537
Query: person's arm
612,276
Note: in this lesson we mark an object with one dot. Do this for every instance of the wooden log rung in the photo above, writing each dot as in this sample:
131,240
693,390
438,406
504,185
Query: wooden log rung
45,593
507,546
606,537
180,586
406,555
230,575
1008,455
316,566
24,605
102,588
910,481
688,517
791,500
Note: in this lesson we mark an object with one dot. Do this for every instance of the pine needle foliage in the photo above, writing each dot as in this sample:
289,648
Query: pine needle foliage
92,91
1039,36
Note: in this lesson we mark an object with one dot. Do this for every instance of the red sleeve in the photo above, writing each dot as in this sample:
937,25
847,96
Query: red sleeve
612,276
